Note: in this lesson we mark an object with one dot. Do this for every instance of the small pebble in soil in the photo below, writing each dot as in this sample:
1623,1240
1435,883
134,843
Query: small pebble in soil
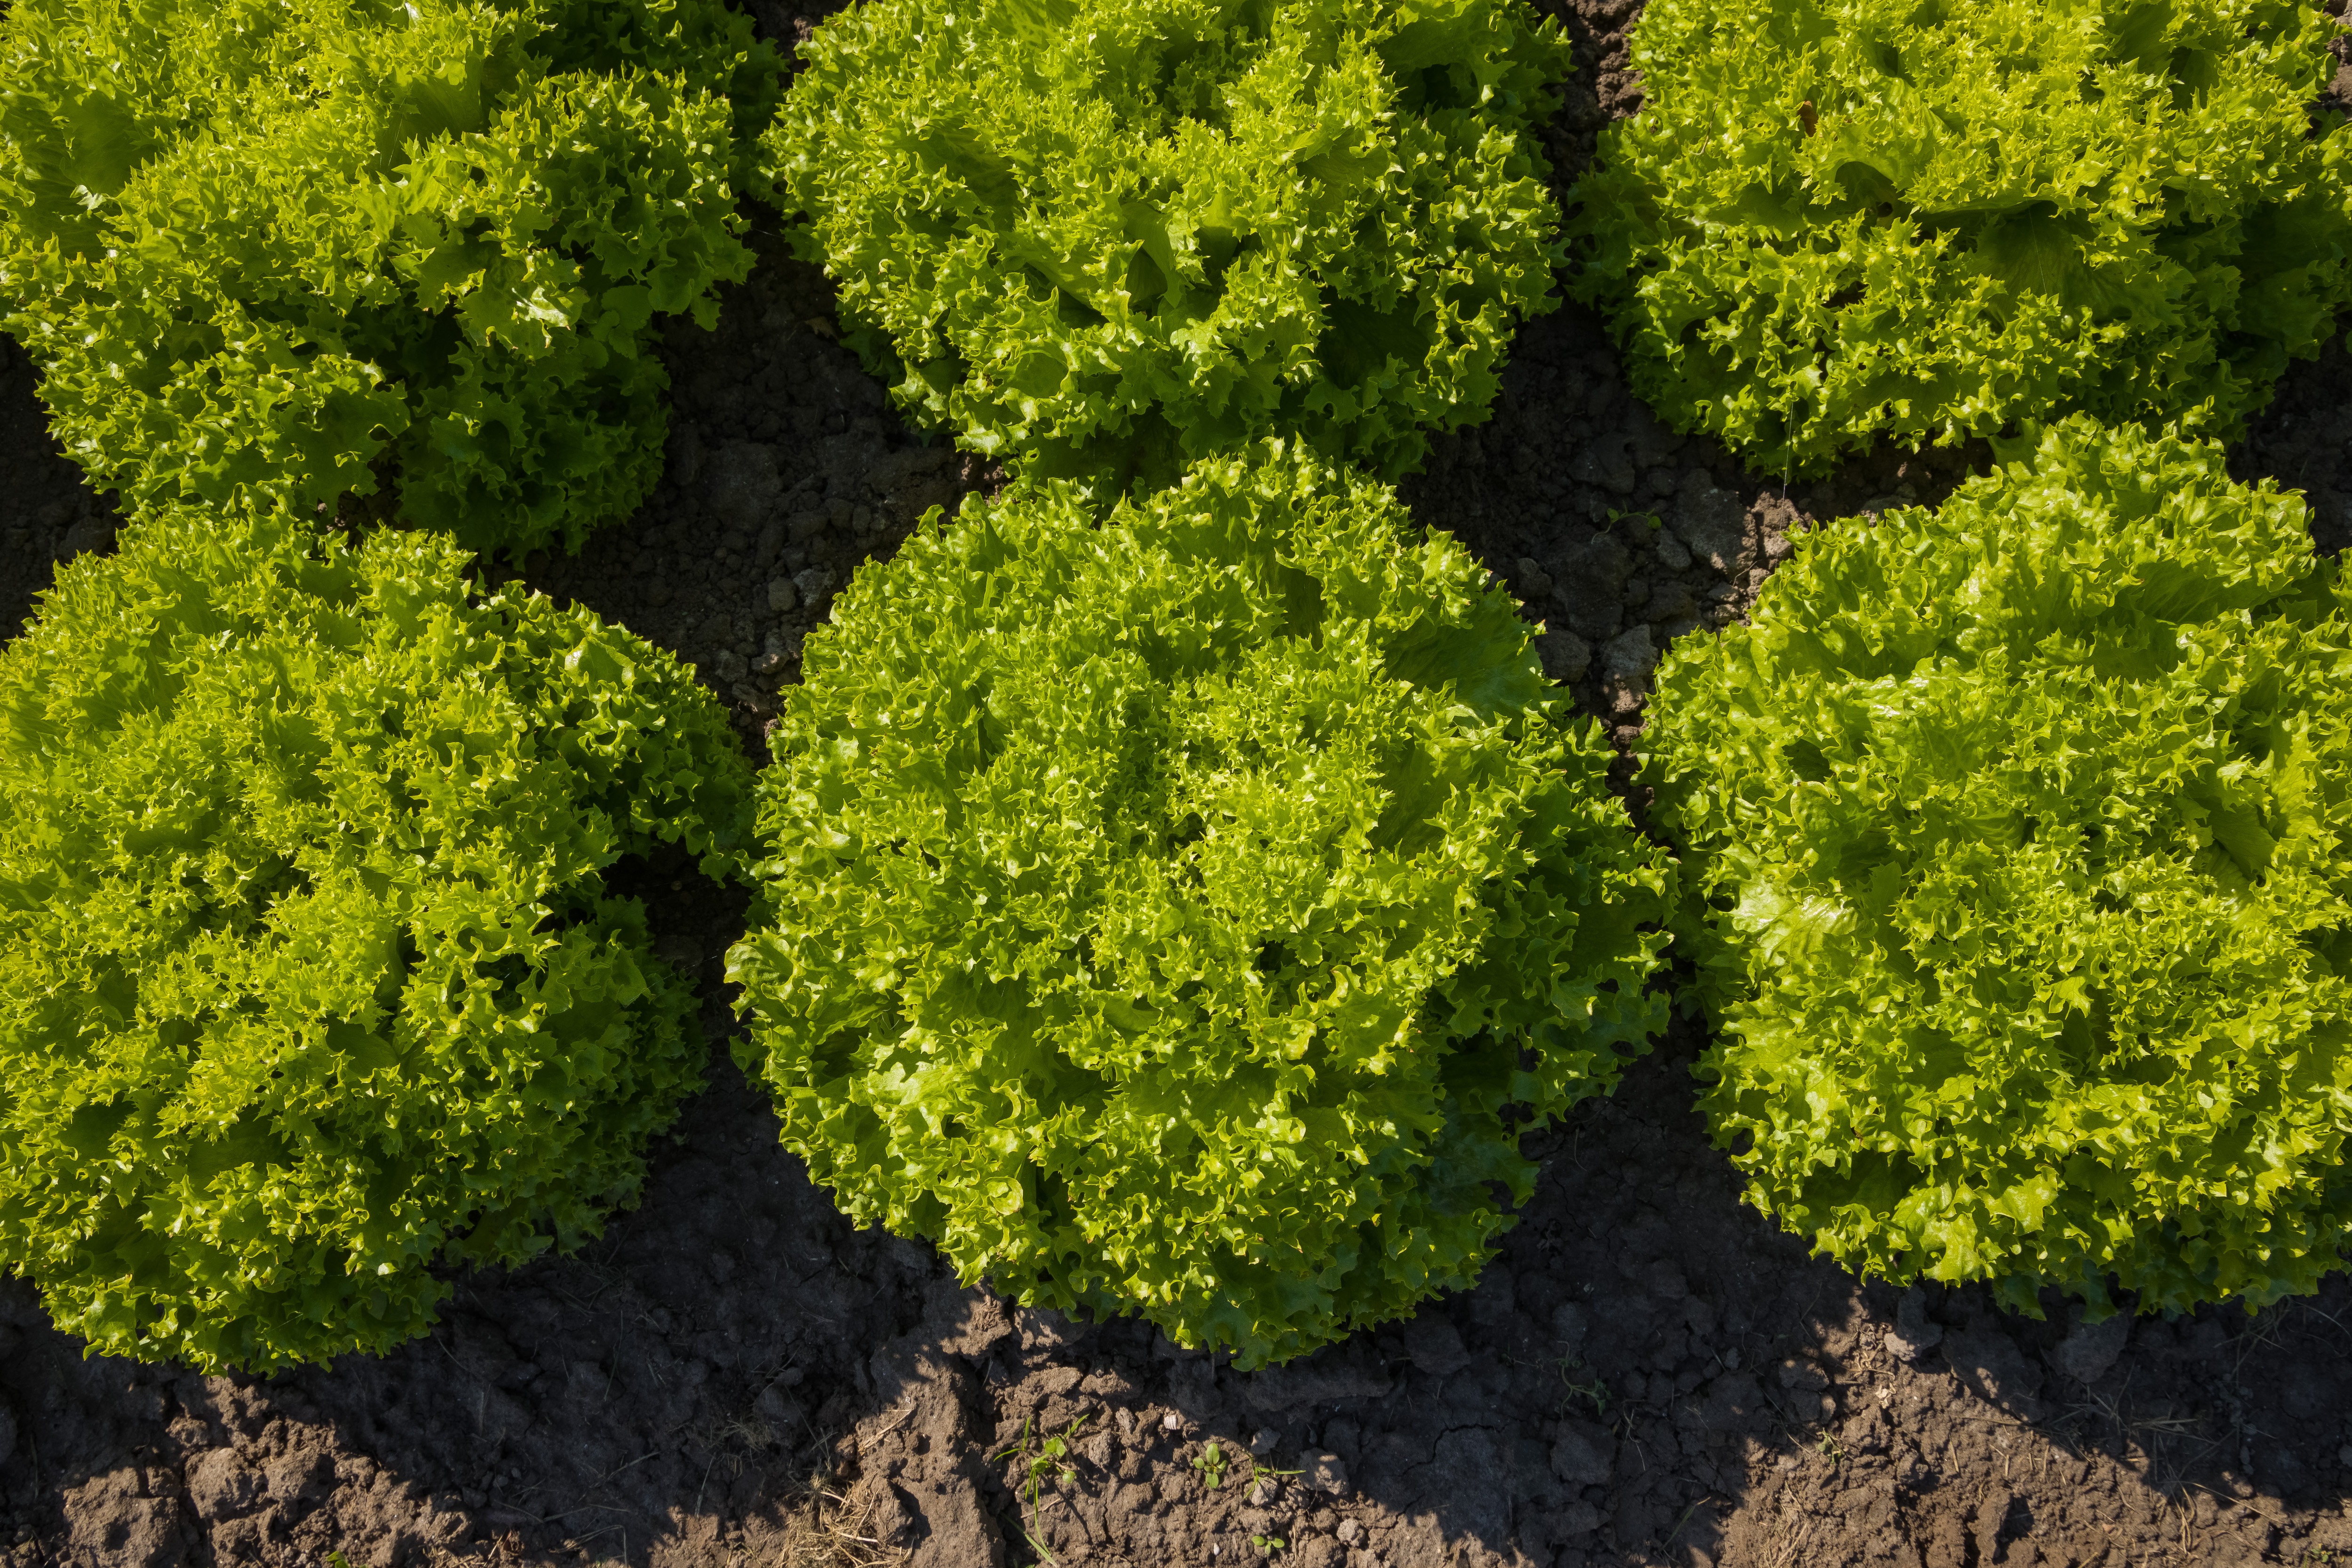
1913,1335
815,585
1170,1421
1263,1444
1351,1532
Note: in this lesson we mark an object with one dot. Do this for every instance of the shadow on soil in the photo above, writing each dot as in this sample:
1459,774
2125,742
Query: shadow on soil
1648,1373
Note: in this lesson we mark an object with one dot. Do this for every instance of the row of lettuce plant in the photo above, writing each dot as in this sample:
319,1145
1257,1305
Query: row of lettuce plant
313,988
1177,888
311,992
2015,852
1186,889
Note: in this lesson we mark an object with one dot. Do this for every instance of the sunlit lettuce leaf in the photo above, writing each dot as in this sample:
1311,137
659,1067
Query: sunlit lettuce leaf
1105,238
282,251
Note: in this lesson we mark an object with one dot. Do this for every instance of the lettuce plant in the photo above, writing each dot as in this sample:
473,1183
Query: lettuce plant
1835,221
309,985
1106,237
1184,910
274,250
2016,840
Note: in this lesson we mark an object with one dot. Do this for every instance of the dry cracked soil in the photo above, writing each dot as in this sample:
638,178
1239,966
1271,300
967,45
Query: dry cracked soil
1649,1373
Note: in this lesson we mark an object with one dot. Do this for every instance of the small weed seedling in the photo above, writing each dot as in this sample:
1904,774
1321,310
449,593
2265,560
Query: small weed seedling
1596,1391
1649,520
1039,1461
1269,1545
1211,1464
1831,1448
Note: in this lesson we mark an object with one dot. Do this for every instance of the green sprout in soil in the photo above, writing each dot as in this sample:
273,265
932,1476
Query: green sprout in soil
1211,1464
1041,1460
1596,1390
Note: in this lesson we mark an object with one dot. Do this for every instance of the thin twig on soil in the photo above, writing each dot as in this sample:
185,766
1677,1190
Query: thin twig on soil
2245,1503
617,1470
1685,1520
896,1421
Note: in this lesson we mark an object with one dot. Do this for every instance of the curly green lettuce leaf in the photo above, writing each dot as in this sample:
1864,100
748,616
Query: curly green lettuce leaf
1184,909
1838,221
310,987
336,240
2016,866
1106,239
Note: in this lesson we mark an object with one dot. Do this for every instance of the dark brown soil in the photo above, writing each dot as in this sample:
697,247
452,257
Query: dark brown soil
1650,1374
